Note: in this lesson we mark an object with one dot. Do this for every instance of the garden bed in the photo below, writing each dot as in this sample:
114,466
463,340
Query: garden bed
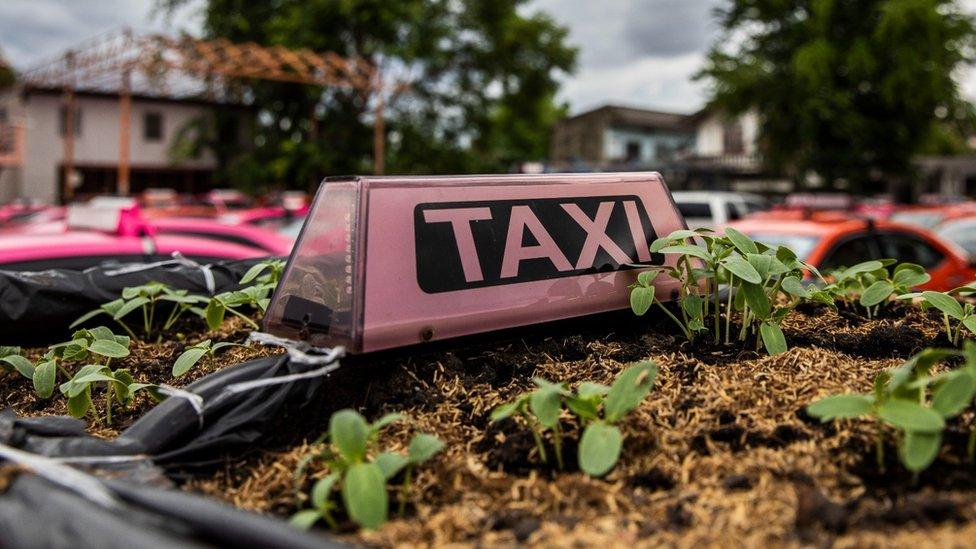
721,451
148,363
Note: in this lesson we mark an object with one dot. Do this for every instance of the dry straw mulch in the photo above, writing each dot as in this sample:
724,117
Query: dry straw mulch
720,454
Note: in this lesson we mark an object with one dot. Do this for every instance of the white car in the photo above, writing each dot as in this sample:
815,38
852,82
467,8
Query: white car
716,208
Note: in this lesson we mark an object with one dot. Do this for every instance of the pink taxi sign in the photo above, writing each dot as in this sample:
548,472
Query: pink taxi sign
385,262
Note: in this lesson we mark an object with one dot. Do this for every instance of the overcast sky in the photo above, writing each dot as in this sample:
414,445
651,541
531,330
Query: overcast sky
633,52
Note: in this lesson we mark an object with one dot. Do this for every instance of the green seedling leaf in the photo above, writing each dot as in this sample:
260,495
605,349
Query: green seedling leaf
756,298
865,267
188,360
321,491
253,272
390,464
23,366
545,404
423,447
919,450
588,389
129,306
214,314
741,268
876,293
970,323
304,519
945,303
909,275
646,278
43,378
686,249
773,338
841,407
109,348
599,449
742,242
506,410
349,431
793,286
79,404
910,416
586,409
641,299
762,263
387,419
88,316
693,305
630,387
954,393
364,494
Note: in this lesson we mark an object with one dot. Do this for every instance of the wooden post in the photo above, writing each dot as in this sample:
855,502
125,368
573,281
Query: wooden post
67,164
125,112
379,139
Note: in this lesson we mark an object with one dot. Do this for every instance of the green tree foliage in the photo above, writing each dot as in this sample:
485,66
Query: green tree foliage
848,89
483,80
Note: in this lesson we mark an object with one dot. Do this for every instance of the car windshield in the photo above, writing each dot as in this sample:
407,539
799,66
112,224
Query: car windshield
962,233
921,219
802,245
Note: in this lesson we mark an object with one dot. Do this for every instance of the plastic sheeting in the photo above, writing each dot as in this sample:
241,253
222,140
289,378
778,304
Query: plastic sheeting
36,512
36,308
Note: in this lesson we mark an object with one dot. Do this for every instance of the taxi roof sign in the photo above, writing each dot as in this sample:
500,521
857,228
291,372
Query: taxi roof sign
385,262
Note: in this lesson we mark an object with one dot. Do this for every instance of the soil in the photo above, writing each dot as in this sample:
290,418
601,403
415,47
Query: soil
720,453
148,363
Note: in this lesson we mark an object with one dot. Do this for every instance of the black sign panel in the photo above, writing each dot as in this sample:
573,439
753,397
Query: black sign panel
463,245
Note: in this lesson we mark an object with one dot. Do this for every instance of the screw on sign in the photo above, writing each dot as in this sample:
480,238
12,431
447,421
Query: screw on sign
382,260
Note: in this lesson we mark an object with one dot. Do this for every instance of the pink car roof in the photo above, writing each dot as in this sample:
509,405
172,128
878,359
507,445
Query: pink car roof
270,241
24,248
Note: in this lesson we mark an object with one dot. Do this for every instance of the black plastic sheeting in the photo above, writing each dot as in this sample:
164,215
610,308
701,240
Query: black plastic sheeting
35,512
36,308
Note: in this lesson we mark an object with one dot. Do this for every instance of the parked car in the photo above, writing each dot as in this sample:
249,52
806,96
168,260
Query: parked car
844,242
715,208
961,232
106,233
930,217
272,242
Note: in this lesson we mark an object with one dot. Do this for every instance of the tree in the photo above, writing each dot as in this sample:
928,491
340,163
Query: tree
850,90
484,76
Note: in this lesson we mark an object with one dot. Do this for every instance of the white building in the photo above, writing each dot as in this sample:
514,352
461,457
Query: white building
155,125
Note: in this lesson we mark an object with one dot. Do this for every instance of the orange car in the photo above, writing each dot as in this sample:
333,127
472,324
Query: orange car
838,242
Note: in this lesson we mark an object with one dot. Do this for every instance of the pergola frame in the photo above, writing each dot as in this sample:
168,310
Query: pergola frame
186,67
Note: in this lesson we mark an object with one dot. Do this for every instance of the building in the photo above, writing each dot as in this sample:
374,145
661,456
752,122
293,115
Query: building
155,127
615,137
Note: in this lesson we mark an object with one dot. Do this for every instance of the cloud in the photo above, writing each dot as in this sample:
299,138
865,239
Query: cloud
668,28
34,30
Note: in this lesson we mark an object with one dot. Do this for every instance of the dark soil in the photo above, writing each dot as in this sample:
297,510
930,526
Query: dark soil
721,452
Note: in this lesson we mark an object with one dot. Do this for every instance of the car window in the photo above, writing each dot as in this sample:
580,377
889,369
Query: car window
733,211
695,209
849,252
801,245
909,248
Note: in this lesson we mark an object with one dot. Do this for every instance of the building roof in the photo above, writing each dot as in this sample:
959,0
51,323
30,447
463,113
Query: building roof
645,118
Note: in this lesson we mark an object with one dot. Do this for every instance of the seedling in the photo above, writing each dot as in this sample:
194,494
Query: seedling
232,302
190,357
540,409
91,344
757,273
963,313
362,480
145,298
12,361
598,408
899,401
268,271
872,283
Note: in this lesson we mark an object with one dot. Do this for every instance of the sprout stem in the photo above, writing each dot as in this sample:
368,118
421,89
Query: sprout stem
728,308
971,445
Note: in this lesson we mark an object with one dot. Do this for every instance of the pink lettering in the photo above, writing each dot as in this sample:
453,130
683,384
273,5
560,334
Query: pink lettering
460,220
523,218
596,235
637,231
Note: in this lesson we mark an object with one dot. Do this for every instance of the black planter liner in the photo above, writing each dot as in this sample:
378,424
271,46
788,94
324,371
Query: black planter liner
36,308
37,513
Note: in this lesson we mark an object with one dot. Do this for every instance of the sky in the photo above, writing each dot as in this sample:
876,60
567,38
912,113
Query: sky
632,52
